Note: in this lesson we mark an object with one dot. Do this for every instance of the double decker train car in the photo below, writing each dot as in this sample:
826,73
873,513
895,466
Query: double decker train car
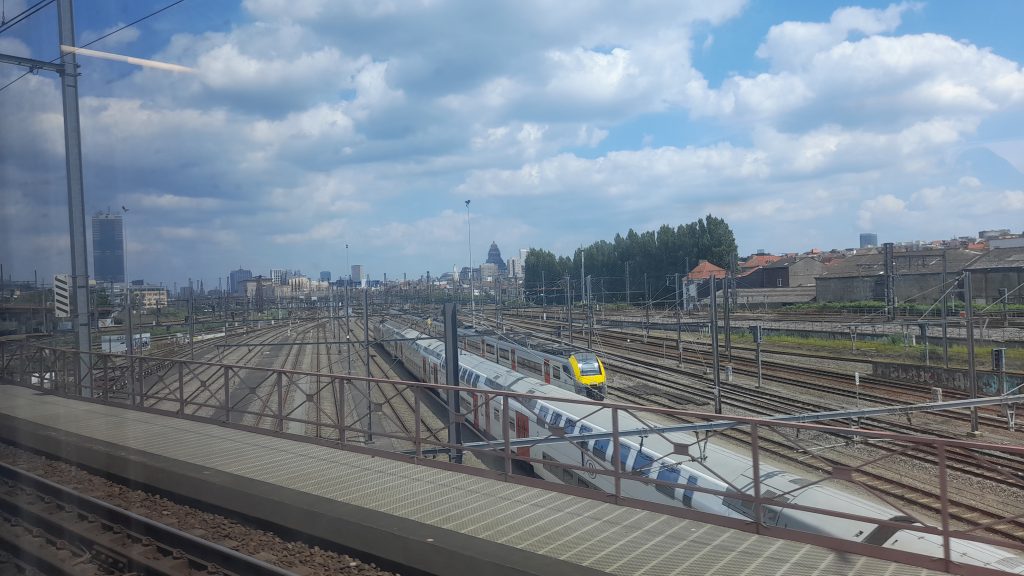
654,457
572,369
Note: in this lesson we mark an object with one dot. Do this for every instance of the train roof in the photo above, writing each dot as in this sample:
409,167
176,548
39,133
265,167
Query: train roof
523,340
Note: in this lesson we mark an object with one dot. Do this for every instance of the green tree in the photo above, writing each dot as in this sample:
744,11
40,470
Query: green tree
657,253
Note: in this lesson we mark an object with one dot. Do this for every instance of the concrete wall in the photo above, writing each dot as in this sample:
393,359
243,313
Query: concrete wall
919,288
803,272
985,284
947,379
848,289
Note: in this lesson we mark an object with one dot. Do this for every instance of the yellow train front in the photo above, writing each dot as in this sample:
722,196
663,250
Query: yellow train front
588,375
574,370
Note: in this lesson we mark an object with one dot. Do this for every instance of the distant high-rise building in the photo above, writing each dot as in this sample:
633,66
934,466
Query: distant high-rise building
325,275
494,257
868,240
278,276
357,273
108,247
236,279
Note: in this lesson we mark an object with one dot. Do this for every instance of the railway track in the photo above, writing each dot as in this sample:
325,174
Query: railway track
696,364
53,530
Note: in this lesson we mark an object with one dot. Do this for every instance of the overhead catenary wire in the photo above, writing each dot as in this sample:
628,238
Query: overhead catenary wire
6,25
103,37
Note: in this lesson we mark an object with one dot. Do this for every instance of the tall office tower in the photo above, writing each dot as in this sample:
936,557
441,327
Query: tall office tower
868,240
108,247
357,273
278,276
325,275
236,280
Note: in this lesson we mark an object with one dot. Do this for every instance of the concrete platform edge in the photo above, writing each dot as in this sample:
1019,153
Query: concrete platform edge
377,534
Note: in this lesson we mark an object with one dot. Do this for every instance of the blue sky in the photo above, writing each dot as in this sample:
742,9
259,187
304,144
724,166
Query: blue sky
309,124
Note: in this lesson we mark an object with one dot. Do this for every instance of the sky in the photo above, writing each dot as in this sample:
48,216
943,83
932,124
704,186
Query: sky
308,125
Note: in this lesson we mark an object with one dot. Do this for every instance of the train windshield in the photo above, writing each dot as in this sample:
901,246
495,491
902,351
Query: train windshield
589,366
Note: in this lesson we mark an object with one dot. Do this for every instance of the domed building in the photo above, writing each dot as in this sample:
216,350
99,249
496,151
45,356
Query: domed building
494,257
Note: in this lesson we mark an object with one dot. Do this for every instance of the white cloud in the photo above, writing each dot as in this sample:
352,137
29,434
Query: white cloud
315,122
172,202
121,39
884,207
791,45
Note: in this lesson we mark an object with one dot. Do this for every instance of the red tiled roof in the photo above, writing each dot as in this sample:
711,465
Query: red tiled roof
759,260
704,270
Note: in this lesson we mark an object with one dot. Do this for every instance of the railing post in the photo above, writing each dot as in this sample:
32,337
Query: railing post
227,393
78,374
505,434
280,402
755,458
940,454
416,414
616,465
181,388
131,380
341,410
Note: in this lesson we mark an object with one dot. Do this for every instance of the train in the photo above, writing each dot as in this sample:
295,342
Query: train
572,369
655,456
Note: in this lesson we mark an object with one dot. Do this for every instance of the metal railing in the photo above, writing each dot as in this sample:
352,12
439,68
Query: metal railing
749,477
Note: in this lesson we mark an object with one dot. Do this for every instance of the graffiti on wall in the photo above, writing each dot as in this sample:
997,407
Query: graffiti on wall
948,379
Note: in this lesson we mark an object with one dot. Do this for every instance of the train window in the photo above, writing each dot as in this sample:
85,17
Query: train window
503,353
744,507
881,534
476,380
770,514
570,425
529,365
542,415
642,464
601,448
584,429
688,493
588,364
555,374
668,474
490,348
624,452
566,368
552,469
556,419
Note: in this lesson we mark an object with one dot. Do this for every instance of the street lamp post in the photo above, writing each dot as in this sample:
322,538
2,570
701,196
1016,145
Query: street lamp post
130,344
469,245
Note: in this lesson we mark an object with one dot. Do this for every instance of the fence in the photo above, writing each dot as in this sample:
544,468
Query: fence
841,487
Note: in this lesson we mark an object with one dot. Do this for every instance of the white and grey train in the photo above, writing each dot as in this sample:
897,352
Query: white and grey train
653,457
573,369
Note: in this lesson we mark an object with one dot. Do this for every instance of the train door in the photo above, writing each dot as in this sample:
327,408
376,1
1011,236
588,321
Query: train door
547,371
512,357
476,408
433,373
424,372
522,431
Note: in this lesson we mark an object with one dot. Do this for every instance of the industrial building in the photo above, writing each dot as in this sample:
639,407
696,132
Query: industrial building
918,275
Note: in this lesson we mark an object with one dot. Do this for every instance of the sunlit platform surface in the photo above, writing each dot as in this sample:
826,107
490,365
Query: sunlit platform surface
437,521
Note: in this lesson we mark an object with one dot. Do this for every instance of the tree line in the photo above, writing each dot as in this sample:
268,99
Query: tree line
656,253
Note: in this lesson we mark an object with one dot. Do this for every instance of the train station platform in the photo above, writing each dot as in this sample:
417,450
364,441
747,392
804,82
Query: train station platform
433,520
